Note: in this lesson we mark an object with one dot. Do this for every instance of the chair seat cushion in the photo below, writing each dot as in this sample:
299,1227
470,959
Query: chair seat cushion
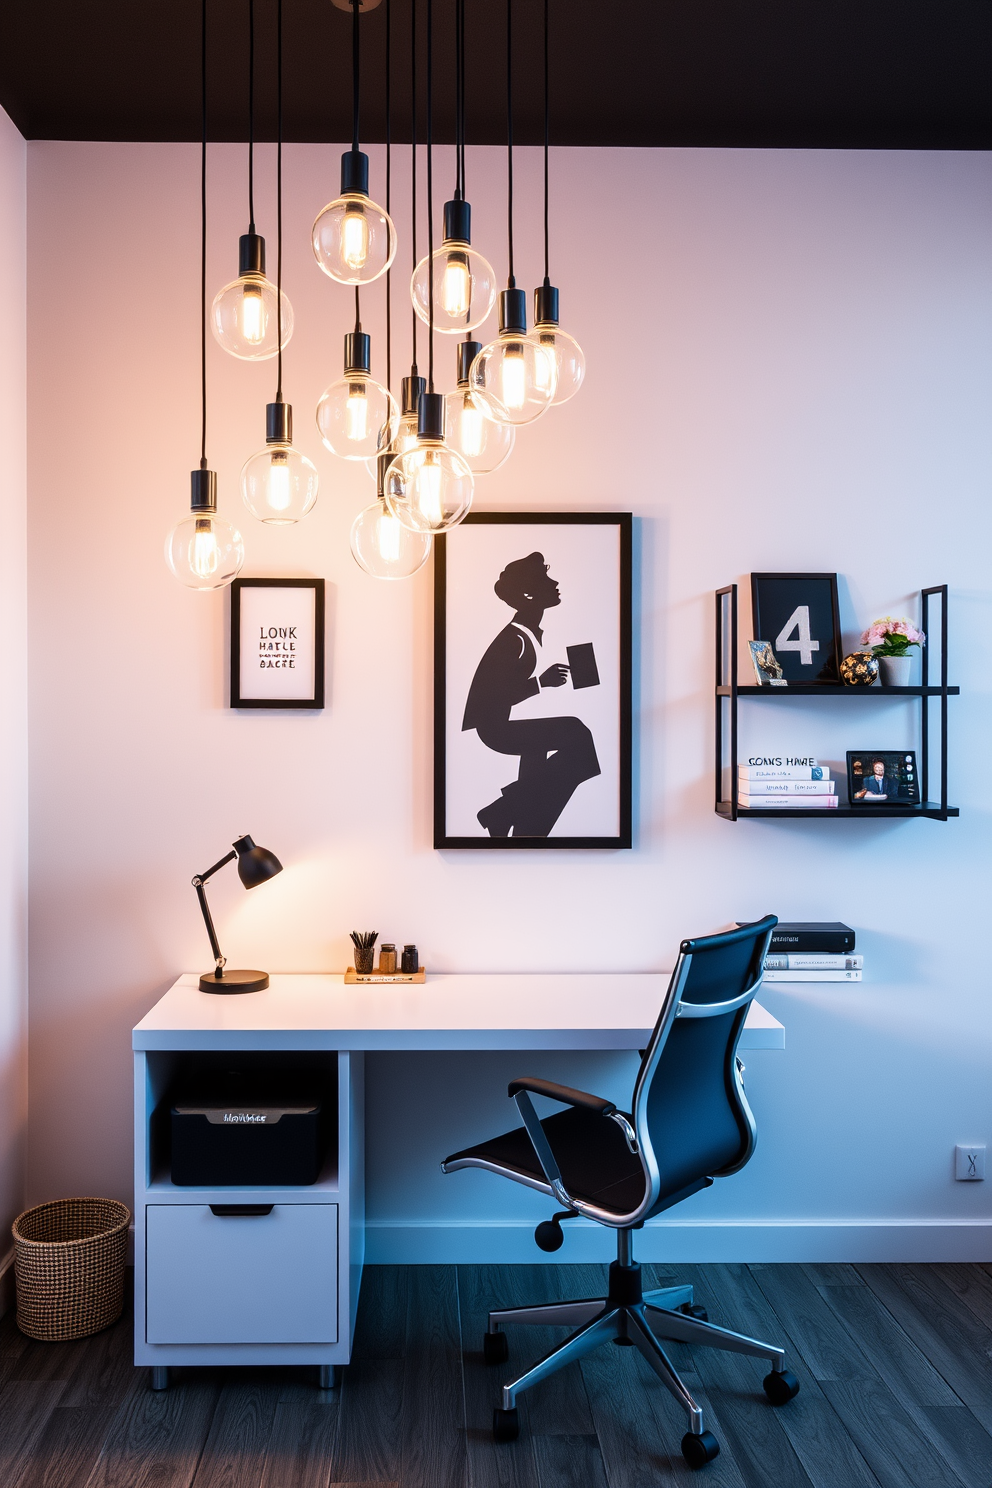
591,1151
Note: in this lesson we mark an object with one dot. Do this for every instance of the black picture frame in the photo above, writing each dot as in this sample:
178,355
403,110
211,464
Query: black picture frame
314,697
580,658
776,601
900,775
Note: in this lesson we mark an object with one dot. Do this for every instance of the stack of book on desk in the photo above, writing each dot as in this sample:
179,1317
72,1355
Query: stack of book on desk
785,780
812,953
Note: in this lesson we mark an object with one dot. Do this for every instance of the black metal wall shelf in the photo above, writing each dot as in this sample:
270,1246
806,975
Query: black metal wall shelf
728,691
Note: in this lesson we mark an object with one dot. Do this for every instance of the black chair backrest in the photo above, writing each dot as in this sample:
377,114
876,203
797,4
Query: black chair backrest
690,1114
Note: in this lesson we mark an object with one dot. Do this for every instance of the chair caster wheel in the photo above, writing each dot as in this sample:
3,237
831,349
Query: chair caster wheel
781,1387
694,1310
506,1426
495,1348
698,1450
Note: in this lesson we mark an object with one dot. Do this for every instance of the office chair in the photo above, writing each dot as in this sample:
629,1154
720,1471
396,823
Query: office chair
690,1123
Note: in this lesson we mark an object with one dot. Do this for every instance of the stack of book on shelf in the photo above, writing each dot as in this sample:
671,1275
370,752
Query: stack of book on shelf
785,780
812,953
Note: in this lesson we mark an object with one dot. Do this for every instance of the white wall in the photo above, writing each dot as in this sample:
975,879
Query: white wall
13,713
787,351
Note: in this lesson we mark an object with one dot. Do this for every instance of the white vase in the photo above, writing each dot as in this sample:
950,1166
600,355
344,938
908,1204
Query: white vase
895,670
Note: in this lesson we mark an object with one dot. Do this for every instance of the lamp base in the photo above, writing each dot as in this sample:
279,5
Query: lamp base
234,981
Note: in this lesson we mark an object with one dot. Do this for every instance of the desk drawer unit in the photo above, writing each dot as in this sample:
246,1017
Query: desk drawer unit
227,1278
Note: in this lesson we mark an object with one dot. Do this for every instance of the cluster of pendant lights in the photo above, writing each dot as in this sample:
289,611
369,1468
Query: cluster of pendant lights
426,451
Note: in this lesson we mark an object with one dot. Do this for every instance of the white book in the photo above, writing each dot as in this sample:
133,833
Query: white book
783,772
812,976
782,802
787,787
812,961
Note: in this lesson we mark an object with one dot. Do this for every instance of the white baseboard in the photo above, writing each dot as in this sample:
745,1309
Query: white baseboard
389,1242
7,1291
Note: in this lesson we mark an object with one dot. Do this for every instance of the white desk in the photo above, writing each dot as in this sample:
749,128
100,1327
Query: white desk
282,1287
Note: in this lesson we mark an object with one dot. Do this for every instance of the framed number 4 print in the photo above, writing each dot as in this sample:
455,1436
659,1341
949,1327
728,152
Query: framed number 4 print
799,616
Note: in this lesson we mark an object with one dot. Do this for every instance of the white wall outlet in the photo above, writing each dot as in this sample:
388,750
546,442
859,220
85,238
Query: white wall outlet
969,1163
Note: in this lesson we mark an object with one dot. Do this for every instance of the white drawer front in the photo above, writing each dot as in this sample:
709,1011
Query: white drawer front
261,1279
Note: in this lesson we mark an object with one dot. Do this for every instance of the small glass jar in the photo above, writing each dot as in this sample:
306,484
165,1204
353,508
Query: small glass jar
387,959
411,961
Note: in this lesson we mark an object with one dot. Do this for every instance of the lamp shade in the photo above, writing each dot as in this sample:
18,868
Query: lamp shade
256,865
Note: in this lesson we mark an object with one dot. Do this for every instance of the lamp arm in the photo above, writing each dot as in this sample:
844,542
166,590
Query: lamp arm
199,880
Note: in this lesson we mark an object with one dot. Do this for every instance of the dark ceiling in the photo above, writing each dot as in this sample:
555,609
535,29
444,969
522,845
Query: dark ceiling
896,74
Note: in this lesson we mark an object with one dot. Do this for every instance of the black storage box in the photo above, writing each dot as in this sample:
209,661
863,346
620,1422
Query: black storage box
237,1136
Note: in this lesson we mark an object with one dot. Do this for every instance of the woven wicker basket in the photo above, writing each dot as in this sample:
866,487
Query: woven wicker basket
69,1264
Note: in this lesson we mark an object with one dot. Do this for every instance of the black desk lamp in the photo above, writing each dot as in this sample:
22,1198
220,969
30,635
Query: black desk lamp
255,865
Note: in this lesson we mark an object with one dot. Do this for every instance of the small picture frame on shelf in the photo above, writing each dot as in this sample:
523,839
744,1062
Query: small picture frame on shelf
800,614
767,668
882,777
277,643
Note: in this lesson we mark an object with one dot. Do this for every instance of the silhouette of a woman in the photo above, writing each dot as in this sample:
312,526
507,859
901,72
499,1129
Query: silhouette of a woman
556,754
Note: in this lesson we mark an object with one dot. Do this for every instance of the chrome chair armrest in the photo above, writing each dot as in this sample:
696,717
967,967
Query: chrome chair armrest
541,1146
563,1093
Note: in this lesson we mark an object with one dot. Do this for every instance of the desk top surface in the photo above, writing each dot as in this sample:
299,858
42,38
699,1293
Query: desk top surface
498,1010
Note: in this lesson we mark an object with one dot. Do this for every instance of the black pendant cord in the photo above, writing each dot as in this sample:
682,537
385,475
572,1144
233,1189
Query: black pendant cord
279,398
547,135
413,165
203,238
459,100
358,310
251,116
430,195
389,194
355,74
511,282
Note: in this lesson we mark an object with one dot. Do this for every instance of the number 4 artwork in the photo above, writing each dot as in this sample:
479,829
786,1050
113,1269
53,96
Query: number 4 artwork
801,613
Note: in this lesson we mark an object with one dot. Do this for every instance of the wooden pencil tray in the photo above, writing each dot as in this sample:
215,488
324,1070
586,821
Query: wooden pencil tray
379,978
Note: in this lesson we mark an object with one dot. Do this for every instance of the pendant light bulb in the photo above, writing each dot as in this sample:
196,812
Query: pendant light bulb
483,444
513,380
430,487
243,316
464,281
204,551
278,483
382,545
562,358
356,412
400,434
354,240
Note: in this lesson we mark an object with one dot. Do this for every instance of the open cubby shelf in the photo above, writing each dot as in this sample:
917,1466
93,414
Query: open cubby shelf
728,691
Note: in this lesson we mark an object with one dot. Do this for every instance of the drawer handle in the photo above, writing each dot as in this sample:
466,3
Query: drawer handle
241,1211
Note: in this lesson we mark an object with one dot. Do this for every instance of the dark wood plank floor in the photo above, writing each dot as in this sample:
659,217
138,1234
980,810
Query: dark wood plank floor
895,1364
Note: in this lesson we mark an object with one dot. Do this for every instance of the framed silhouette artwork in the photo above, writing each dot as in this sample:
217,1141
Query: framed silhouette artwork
532,681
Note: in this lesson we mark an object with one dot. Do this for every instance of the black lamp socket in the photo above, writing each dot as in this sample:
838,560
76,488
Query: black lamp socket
382,464
430,416
513,311
279,423
467,353
354,173
251,254
457,222
545,305
203,490
357,352
413,387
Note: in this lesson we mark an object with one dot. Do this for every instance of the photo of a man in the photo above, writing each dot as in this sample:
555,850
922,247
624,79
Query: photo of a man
882,779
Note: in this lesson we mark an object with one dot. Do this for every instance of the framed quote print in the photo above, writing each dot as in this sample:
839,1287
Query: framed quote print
798,616
532,681
277,643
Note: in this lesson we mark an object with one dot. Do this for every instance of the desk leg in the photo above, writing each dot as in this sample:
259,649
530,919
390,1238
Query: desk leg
159,1376
328,1376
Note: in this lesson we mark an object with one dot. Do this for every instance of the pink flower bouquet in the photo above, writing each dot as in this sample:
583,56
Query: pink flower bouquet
888,637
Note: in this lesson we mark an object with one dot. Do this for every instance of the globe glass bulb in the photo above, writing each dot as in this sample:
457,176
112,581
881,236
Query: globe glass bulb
430,487
204,551
395,438
383,547
244,318
351,414
482,444
563,359
354,240
464,289
279,484
512,380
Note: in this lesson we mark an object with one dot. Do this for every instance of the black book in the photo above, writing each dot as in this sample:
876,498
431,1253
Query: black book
823,937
